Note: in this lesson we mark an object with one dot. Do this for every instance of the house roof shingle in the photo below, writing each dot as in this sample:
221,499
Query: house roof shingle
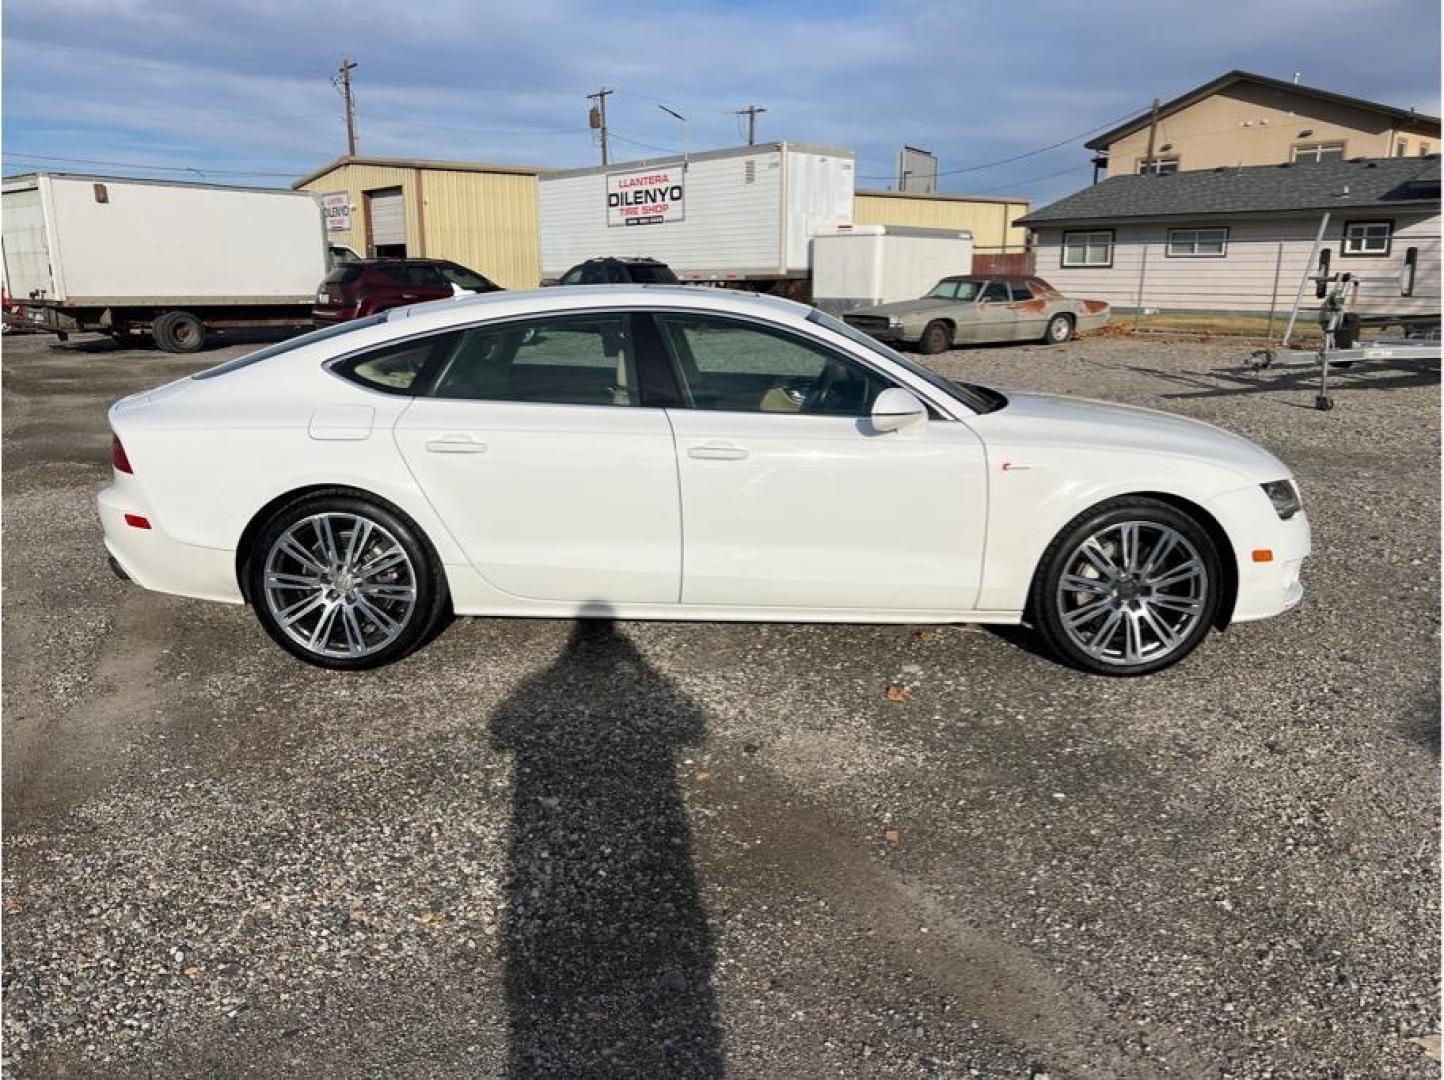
1232,78
1362,183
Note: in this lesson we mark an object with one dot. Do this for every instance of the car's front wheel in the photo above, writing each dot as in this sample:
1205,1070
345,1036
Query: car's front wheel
1127,588
345,583
937,337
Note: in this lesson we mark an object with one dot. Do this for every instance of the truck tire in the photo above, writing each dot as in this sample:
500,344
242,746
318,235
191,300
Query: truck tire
179,332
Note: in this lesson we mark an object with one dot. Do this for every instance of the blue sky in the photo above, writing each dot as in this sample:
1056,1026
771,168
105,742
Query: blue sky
240,92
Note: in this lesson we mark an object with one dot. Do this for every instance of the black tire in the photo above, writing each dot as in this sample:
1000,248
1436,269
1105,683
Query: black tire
937,337
426,616
1050,598
1058,330
179,332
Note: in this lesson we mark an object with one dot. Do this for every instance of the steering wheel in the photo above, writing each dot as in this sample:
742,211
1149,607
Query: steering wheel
822,389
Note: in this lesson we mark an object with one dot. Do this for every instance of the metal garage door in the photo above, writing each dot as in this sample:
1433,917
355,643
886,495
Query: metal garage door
388,218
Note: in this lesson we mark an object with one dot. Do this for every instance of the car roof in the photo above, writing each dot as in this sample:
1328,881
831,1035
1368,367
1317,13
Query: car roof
559,298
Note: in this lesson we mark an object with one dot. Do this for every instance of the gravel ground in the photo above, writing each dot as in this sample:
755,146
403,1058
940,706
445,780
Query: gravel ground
541,849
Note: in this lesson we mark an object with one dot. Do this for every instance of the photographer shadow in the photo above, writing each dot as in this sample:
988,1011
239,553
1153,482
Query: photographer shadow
608,953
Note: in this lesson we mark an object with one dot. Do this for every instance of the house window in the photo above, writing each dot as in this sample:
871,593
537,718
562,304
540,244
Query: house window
1402,150
1198,243
1088,248
1368,237
1424,149
1319,151
1162,166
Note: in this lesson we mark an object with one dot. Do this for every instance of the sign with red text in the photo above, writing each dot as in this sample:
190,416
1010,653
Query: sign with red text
646,197
336,209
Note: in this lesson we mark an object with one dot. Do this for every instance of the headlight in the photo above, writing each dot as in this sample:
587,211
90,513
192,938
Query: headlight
895,323
1285,499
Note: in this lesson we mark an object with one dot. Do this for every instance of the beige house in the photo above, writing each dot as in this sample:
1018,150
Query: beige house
482,216
1245,119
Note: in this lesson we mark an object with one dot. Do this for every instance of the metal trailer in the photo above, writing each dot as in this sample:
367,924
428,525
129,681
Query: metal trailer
166,258
744,216
857,266
1341,347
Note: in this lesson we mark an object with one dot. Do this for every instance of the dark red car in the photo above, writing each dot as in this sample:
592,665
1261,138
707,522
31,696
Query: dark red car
371,285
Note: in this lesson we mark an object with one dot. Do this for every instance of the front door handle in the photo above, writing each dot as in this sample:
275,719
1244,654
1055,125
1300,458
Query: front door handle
717,452
455,444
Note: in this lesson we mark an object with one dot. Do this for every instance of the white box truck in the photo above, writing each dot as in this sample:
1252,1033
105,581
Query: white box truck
857,266
742,216
165,258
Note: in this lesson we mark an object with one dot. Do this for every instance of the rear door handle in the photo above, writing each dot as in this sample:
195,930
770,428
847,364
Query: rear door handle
717,452
455,444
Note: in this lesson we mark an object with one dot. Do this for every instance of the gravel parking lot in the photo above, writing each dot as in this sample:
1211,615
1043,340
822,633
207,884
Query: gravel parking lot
687,850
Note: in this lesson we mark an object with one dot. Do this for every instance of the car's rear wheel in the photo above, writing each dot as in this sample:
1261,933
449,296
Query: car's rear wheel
345,583
179,332
1058,330
1127,588
937,337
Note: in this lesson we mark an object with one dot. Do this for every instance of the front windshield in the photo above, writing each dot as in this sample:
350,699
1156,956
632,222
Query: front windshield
954,289
978,398
289,344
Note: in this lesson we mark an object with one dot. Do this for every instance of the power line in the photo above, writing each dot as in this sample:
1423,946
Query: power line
644,145
1031,153
24,156
1036,180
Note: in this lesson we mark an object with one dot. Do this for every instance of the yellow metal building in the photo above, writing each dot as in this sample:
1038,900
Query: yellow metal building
989,219
482,216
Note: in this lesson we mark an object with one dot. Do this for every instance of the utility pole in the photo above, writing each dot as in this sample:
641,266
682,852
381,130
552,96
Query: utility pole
1148,163
342,82
597,117
751,113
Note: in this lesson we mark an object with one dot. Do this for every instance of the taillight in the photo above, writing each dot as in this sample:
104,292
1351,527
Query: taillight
118,458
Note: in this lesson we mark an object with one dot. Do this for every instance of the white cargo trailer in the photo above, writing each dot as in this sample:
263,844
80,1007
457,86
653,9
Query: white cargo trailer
743,215
861,265
172,259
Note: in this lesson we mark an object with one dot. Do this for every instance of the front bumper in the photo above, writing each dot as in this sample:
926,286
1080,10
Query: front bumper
875,328
1271,587
154,560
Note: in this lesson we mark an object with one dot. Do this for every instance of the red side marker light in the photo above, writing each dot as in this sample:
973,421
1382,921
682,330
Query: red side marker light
135,520
117,456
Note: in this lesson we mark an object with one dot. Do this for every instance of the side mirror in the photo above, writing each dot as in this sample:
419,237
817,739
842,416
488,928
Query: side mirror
895,409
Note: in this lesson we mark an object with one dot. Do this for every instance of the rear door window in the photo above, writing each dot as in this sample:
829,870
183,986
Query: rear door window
563,360
995,291
1021,290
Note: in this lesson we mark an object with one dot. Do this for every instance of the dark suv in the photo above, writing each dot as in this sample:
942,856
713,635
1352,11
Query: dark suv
611,271
372,285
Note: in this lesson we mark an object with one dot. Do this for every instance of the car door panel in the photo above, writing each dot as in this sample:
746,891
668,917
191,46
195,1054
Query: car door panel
797,501
993,319
553,502
822,512
533,449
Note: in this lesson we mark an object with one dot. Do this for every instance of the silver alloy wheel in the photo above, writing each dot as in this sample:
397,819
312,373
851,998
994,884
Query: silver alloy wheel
340,585
1132,592
1058,329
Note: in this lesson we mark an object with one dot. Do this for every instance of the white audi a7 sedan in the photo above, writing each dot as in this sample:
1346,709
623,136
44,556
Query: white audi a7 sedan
673,452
